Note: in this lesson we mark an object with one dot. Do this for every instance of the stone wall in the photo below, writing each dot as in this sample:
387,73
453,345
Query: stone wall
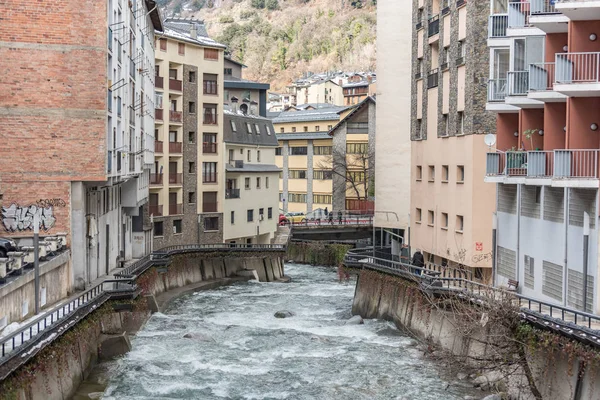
316,253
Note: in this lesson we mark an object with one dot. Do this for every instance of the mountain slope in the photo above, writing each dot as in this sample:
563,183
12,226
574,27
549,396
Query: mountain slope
293,37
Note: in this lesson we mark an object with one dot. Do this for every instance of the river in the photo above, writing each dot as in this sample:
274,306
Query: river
239,350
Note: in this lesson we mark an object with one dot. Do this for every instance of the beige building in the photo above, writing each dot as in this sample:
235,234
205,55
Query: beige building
327,90
251,96
451,209
251,179
187,186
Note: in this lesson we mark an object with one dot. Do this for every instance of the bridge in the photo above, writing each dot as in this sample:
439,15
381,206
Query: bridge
578,325
349,227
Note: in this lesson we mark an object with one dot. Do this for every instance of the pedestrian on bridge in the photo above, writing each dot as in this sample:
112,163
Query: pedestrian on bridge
340,217
418,261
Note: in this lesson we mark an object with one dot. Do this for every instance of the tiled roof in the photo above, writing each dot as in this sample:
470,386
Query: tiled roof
303,136
319,114
179,29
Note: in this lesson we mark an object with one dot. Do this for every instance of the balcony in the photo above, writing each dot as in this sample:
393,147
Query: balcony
210,119
159,82
546,17
209,177
541,83
518,14
496,90
518,83
497,26
209,148
175,147
175,178
176,117
579,10
577,74
175,209
156,179
175,85
158,114
433,26
232,193
158,146
155,210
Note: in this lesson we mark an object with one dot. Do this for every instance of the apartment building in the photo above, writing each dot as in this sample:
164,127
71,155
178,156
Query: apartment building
252,179
545,90
358,88
249,93
451,209
187,186
78,128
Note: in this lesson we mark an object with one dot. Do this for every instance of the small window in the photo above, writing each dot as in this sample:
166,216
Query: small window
257,155
228,71
460,220
192,197
192,77
419,172
258,183
460,174
444,221
158,228
461,123
181,48
261,212
418,132
268,129
192,137
211,224
163,46
293,129
247,183
445,125
430,218
211,54
250,216
192,107
317,128
233,126
267,182
249,156
431,173
232,217
306,129
192,167
270,213
444,173
249,128
257,129
329,127
177,226
418,216
278,151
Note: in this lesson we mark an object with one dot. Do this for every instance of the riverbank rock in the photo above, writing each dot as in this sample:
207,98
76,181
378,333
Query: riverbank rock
461,376
283,314
493,397
356,320
198,337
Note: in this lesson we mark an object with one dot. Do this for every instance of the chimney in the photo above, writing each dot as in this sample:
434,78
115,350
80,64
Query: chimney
369,79
194,31
340,82
234,101
253,105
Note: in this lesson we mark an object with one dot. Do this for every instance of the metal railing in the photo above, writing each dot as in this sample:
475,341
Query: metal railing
347,218
496,90
175,116
209,148
176,178
175,147
158,82
156,179
541,76
556,164
518,83
158,146
155,210
110,39
158,114
175,209
497,25
518,14
543,7
433,78
433,26
576,163
540,163
516,163
232,193
175,84
577,68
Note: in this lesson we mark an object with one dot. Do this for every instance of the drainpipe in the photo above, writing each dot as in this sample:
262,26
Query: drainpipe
565,276
494,241
518,258
36,260
586,241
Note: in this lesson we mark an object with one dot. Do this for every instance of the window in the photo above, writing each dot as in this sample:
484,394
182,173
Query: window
211,224
357,148
460,174
322,175
249,156
282,130
322,150
210,84
192,77
298,151
431,218
418,216
317,128
445,125
268,129
209,202
306,129
444,221
431,173
258,182
257,129
192,167
211,54
329,127
461,123
356,176
181,48
228,71
191,137
163,47
297,198
460,223
192,197
209,143
419,172
257,155
177,226
232,217
444,173
247,183
158,228
250,215
270,213
192,107
233,126
278,151
249,128
261,212
322,198
297,174
538,194
210,114
418,129
209,172
461,53
173,73
293,129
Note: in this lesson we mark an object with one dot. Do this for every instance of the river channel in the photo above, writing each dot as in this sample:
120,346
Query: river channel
239,350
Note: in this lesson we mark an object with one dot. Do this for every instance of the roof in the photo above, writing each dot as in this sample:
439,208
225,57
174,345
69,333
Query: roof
238,83
179,29
231,60
319,114
358,84
303,136
154,15
253,168
358,107
273,114
266,137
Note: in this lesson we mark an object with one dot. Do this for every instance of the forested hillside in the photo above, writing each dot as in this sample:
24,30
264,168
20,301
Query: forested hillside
279,40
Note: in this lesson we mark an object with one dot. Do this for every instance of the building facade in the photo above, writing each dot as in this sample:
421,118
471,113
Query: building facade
358,88
187,185
450,208
545,91
88,128
252,179
250,94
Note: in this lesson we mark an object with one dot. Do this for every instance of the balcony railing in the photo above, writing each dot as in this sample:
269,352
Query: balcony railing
131,162
175,147
209,148
577,68
541,76
209,206
156,179
131,116
518,83
155,210
497,25
543,7
232,193
175,209
433,78
210,119
109,161
158,114
132,68
110,39
209,177
557,164
175,178
158,146
518,14
159,82
496,90
175,116
109,100
175,84
433,27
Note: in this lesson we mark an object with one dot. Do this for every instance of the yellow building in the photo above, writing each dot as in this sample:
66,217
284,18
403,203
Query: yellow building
187,184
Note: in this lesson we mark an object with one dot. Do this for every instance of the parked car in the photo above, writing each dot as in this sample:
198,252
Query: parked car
317,215
7,245
293,217
283,220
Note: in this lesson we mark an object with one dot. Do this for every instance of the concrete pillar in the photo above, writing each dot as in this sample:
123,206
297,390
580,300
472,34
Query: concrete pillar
78,232
286,174
309,176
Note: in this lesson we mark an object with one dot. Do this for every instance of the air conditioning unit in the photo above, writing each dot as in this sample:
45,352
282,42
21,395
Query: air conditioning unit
261,217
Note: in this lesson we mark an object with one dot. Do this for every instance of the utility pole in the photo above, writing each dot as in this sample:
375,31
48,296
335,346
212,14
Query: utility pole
36,259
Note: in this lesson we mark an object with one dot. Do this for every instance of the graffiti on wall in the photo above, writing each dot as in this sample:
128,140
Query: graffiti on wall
45,203
16,218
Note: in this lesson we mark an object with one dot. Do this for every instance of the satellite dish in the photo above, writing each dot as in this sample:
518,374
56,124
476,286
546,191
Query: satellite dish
490,139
